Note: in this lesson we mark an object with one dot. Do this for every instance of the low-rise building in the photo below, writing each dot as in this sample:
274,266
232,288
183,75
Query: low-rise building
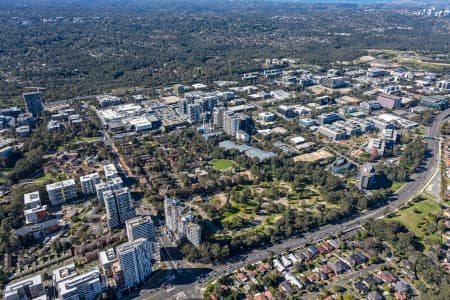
332,132
267,117
371,105
36,215
107,258
328,118
435,102
30,288
389,101
70,285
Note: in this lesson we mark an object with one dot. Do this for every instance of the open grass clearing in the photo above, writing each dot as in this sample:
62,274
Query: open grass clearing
419,218
223,164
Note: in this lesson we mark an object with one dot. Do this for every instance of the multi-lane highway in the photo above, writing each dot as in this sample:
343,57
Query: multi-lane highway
192,289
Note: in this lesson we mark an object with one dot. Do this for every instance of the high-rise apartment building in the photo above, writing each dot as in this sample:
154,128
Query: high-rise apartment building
110,185
135,262
32,200
59,192
143,227
110,171
118,206
140,227
88,183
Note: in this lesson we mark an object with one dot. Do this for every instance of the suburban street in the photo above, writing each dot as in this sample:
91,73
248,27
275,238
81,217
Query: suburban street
190,288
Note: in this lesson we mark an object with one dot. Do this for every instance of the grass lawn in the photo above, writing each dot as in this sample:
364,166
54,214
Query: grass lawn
418,218
222,164
397,185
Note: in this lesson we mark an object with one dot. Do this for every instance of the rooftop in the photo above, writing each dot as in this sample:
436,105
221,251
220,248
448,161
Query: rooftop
60,185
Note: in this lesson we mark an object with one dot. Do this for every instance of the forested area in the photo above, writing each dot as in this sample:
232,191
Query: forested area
72,52
410,159
346,200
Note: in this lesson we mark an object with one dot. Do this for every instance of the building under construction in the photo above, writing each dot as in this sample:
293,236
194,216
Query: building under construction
181,224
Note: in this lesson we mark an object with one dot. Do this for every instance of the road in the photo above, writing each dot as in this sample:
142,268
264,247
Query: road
405,194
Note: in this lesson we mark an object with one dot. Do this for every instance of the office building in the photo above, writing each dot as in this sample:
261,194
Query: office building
333,82
328,118
32,200
341,166
435,102
118,207
70,285
367,178
110,171
59,192
371,105
392,90
307,122
373,73
23,131
88,183
218,116
287,111
179,89
26,289
194,112
33,103
267,117
332,132
389,101
443,85
140,227
135,262
108,100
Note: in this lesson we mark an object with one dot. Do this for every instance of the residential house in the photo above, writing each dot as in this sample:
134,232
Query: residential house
386,277
361,287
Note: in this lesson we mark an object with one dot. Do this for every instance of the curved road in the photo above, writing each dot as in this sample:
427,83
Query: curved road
405,194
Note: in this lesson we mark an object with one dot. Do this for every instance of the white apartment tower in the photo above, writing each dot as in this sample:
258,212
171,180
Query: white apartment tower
59,192
143,227
140,227
135,261
32,200
110,171
113,184
118,207
88,183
